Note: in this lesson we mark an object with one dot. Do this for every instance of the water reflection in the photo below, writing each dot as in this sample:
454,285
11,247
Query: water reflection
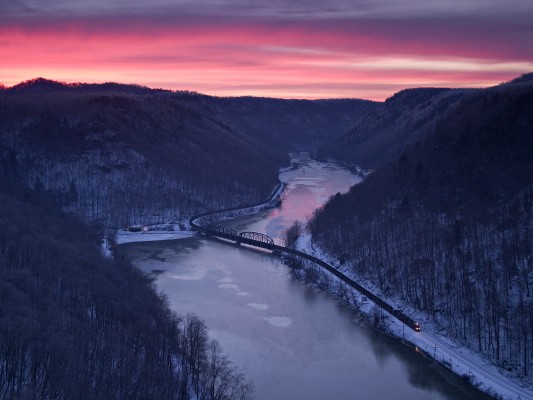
293,341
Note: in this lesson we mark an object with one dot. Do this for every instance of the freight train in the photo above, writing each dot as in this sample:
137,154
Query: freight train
411,323
231,234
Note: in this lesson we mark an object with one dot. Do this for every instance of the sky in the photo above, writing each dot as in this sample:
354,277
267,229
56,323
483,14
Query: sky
277,48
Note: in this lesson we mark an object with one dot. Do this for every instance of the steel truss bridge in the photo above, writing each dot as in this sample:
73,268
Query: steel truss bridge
251,238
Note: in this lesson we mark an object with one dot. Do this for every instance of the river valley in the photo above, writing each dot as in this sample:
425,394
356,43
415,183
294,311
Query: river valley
291,340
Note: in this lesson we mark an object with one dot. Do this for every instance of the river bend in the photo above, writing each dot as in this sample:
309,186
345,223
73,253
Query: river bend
292,341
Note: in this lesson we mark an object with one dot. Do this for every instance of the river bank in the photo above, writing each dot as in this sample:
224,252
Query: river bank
431,341
271,225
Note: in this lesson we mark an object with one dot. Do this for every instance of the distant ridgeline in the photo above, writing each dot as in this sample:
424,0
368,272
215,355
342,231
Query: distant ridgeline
125,154
445,223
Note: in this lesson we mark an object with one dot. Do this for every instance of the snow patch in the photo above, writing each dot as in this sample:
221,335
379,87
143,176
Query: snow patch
124,236
259,306
281,322
106,248
228,286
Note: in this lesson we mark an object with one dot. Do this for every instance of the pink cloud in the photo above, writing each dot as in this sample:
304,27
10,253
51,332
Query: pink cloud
343,58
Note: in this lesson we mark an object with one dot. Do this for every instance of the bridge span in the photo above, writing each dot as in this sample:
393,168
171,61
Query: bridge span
255,237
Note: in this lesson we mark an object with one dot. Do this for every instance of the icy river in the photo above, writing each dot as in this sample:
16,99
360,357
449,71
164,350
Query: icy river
293,341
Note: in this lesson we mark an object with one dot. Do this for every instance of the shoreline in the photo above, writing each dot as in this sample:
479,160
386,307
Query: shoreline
124,236
442,349
480,372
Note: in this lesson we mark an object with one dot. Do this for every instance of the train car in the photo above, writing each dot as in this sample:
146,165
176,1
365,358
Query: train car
411,323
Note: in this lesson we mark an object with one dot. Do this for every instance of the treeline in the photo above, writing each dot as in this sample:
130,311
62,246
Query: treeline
447,228
383,134
292,125
126,155
138,194
75,325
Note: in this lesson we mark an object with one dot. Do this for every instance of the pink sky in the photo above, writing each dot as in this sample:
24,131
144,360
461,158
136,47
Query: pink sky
348,49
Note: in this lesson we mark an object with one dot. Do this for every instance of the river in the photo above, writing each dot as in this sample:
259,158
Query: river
293,341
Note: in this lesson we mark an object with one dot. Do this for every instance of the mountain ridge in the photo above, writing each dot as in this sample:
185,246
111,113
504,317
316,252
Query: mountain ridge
446,226
400,121
202,152
392,126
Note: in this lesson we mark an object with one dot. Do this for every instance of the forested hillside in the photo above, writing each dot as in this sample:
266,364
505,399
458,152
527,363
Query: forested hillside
123,154
291,125
75,325
448,226
391,127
